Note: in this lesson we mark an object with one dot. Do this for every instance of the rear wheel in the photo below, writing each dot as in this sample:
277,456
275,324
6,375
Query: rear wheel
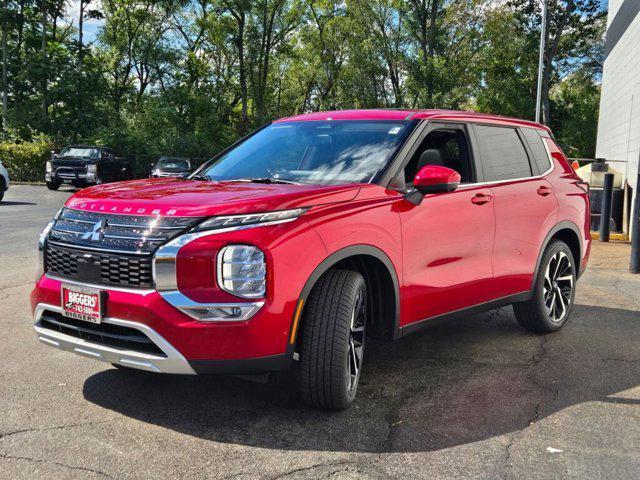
332,340
553,294
53,185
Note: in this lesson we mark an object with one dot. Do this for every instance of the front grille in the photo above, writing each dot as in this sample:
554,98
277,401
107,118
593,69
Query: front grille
108,249
107,334
99,267
117,233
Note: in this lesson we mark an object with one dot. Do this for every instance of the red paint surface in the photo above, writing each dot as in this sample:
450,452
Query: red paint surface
450,252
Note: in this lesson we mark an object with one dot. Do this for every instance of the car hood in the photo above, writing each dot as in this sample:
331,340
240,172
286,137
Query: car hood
195,198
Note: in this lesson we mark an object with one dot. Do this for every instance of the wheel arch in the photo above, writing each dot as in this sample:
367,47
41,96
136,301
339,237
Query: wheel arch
379,274
569,233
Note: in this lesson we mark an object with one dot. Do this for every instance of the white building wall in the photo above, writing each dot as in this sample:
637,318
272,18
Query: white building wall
619,121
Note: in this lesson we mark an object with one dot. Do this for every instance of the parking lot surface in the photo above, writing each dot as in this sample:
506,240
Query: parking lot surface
474,398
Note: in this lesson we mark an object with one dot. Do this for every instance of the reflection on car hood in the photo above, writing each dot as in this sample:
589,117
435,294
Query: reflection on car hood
170,196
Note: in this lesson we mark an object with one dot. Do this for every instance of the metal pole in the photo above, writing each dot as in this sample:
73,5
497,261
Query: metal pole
543,38
605,211
635,231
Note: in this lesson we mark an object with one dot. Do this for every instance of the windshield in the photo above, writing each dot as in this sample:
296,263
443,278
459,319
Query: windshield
316,152
80,152
173,164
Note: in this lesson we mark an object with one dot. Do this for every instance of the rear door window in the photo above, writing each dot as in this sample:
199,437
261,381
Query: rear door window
538,150
502,153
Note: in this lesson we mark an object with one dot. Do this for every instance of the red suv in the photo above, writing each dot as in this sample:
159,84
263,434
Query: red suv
282,251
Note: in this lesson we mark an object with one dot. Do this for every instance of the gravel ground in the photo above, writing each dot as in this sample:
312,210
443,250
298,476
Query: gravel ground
475,398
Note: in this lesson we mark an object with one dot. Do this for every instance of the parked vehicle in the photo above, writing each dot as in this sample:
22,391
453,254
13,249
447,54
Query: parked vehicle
293,243
4,180
171,167
82,165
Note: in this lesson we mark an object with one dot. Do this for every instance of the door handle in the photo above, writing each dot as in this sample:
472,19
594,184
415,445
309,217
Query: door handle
480,199
544,191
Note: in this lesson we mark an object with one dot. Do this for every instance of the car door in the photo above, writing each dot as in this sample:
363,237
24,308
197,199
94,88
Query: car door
525,206
447,238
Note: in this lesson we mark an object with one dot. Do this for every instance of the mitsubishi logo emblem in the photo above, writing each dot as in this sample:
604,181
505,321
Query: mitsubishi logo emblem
96,234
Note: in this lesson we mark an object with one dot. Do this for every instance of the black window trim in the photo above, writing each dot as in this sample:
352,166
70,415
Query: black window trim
544,144
534,174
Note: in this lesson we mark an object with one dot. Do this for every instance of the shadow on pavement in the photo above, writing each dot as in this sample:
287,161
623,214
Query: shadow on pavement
9,203
453,384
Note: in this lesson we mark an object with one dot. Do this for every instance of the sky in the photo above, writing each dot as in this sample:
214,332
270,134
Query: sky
91,26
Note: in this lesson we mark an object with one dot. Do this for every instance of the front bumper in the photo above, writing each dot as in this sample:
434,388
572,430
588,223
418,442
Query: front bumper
171,362
187,346
73,176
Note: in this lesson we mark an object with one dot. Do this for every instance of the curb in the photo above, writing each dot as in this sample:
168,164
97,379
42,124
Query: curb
616,237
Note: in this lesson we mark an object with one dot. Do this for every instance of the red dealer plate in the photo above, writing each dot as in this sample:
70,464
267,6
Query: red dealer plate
82,303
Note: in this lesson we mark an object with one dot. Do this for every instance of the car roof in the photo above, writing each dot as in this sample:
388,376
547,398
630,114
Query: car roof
412,114
86,146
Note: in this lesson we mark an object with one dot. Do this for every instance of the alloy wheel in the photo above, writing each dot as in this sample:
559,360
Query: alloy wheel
558,286
356,341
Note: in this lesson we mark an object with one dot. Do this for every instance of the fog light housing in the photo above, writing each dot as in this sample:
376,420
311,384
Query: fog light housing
242,271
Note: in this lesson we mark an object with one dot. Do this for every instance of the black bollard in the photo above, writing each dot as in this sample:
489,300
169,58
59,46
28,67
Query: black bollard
635,232
605,211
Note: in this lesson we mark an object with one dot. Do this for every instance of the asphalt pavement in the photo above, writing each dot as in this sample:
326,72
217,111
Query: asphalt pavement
474,398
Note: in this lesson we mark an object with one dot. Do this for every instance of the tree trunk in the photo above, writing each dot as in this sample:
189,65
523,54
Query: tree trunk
80,92
551,51
45,103
5,85
244,120
80,34
433,27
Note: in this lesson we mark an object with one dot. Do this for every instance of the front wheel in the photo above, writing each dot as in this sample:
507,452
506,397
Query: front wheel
53,185
332,340
553,293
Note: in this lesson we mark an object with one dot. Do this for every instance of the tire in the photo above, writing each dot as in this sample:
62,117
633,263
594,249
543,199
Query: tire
332,340
553,292
53,185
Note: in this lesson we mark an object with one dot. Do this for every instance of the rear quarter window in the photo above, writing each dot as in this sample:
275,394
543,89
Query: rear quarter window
502,153
538,150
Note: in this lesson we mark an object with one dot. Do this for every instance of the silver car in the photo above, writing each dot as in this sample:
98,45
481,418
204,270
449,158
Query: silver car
4,180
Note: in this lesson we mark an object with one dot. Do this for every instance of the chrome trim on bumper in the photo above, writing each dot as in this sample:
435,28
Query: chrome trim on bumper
174,362
206,312
166,282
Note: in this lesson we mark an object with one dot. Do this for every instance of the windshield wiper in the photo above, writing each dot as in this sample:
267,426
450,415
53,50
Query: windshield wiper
266,180
206,178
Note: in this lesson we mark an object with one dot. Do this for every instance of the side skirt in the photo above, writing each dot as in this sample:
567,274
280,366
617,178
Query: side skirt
482,307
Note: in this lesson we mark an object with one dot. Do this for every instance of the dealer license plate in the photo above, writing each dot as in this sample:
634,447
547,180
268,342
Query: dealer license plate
82,303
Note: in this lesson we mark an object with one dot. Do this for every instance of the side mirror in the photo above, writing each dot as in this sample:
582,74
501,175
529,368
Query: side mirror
432,179
436,179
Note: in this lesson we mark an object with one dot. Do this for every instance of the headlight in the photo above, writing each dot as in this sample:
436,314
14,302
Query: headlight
229,221
92,168
242,271
48,167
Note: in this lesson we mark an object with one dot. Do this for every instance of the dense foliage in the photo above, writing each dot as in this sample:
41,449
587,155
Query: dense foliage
187,77
26,160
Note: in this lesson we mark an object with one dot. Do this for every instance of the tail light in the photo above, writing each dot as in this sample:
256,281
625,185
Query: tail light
575,165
